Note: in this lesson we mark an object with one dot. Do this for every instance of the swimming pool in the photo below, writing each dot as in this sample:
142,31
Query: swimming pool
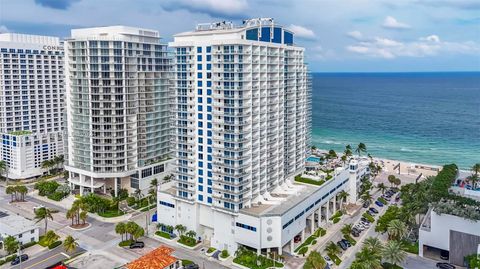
313,159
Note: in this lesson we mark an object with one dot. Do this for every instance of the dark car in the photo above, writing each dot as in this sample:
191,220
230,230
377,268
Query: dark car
355,233
342,245
191,266
346,242
23,258
379,203
373,210
444,265
444,255
137,244
365,220
366,204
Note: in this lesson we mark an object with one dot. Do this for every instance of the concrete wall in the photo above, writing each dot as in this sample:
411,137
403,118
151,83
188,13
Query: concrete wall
461,245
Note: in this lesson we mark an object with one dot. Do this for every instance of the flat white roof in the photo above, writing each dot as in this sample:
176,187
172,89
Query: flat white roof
12,224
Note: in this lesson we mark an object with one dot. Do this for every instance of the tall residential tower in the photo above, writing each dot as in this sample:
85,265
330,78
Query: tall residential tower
31,102
117,108
241,124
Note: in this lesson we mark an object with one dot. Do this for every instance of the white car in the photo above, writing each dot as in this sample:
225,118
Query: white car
329,261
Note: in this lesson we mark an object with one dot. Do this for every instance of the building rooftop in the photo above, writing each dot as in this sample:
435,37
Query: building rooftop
29,39
158,258
13,224
113,32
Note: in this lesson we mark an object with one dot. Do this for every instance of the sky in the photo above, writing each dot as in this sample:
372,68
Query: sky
339,35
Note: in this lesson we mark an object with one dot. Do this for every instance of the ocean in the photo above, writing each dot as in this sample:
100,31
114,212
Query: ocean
428,118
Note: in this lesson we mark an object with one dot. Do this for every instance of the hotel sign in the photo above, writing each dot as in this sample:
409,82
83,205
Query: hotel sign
50,47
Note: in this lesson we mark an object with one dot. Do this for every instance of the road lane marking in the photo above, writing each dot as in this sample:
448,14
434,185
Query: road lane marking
44,260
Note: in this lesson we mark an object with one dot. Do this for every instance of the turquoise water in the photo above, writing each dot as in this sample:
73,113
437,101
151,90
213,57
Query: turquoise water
313,159
431,118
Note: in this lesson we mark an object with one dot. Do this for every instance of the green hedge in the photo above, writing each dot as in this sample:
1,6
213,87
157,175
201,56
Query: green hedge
382,200
351,240
8,259
186,262
335,259
410,247
163,234
125,243
111,213
55,244
335,220
29,244
387,265
57,196
368,217
337,214
302,251
187,241
210,250
298,178
224,254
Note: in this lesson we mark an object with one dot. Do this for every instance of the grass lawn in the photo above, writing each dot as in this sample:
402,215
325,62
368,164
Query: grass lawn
111,214
411,247
309,181
251,260
163,234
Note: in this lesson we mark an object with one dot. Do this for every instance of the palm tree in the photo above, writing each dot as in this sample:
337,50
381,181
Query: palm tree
332,249
191,234
83,216
50,237
361,148
22,190
346,229
373,244
10,244
4,170
393,252
44,214
366,197
138,232
369,258
381,187
396,229
476,169
314,261
70,244
13,193
48,164
391,179
130,228
343,197
180,228
71,214
344,159
473,179
120,228
154,183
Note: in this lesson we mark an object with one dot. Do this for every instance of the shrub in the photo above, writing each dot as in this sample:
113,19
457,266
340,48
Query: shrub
368,217
11,258
131,201
224,254
125,243
46,188
186,262
56,196
29,244
314,242
303,250
382,200
2,262
188,241
410,247
387,265
163,234
335,220
55,244
351,240
337,214
335,259
211,249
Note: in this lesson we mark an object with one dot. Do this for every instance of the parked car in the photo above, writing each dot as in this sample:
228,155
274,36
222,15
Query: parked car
444,255
387,198
342,245
346,242
297,238
355,233
137,244
22,257
328,260
444,265
373,210
366,204
364,219
378,203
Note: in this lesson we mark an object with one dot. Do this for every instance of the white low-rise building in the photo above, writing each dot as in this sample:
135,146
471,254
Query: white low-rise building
445,232
24,230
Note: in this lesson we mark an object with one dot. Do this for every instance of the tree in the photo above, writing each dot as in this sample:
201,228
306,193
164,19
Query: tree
373,244
331,154
348,151
381,187
180,228
50,237
83,216
396,229
397,182
191,234
70,244
346,229
476,169
369,258
44,214
391,179
344,159
130,228
71,215
48,164
13,193
58,161
314,261
11,244
120,229
366,197
361,148
343,197
138,232
4,171
393,252
22,190
332,249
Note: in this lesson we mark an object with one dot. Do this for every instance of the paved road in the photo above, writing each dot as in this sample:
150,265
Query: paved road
47,259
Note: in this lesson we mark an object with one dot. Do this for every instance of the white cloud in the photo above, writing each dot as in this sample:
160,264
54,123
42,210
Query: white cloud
302,32
4,29
228,8
392,23
357,35
431,45
321,53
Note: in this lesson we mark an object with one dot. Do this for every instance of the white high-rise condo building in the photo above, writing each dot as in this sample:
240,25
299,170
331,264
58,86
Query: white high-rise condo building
31,102
242,128
117,108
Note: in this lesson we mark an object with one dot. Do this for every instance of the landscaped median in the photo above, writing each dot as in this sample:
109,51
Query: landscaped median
245,258
336,217
311,240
